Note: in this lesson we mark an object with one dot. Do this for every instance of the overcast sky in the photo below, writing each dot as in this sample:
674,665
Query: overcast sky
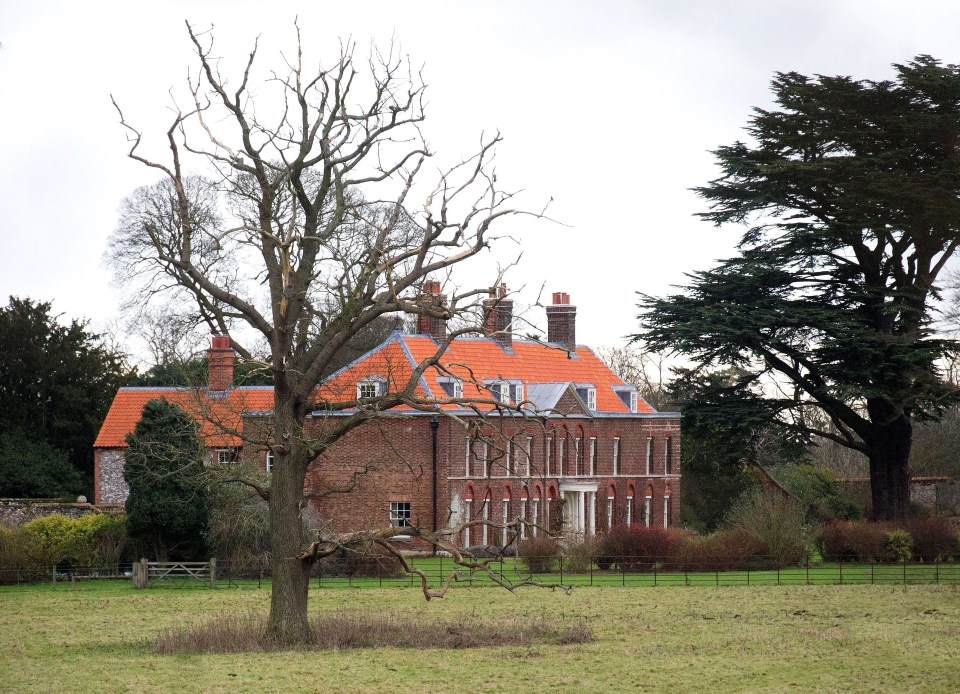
611,108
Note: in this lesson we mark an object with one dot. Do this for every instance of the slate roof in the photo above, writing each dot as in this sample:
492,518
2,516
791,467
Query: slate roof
546,370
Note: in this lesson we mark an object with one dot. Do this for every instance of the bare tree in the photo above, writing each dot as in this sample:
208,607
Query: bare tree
645,370
309,242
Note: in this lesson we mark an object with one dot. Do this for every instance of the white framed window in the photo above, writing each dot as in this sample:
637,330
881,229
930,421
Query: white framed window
523,515
629,510
592,455
646,511
616,455
508,457
371,387
452,386
576,456
485,511
400,514
506,519
468,516
270,459
535,512
633,401
649,455
225,456
549,453
610,501
529,451
561,451
516,393
486,460
591,398
666,511
469,449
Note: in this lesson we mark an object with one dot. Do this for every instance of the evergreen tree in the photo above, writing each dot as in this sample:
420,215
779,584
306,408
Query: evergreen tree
166,510
850,193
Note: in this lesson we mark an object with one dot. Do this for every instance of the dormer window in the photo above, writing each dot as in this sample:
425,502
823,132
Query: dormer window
453,387
628,395
507,392
588,394
371,387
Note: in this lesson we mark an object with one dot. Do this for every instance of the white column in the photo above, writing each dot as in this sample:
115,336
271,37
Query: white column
646,511
592,520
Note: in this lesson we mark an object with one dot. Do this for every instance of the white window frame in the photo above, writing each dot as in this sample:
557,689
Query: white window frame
592,455
535,511
377,382
485,515
401,514
468,512
616,455
666,511
633,401
649,455
226,456
548,453
486,459
529,452
269,460
506,519
577,470
561,454
523,515
591,398
629,510
452,386
646,510
508,457
466,469
610,502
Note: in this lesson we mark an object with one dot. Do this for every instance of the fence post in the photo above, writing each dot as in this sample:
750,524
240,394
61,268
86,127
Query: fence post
213,572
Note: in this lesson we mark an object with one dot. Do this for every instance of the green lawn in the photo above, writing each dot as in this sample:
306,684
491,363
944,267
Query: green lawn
757,638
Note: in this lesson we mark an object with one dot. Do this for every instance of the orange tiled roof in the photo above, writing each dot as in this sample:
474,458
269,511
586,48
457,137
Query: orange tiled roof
475,360
471,359
218,415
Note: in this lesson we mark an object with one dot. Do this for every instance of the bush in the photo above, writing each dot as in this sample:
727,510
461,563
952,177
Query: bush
367,562
833,542
899,546
868,540
538,554
724,550
816,485
774,520
933,539
639,549
580,555
13,554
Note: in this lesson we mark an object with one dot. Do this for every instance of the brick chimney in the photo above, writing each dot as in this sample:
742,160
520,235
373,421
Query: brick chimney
562,321
220,358
498,317
427,324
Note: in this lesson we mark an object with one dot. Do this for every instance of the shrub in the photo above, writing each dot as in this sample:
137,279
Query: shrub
899,546
367,562
833,542
639,549
816,485
13,554
538,554
933,539
724,550
579,555
776,521
868,540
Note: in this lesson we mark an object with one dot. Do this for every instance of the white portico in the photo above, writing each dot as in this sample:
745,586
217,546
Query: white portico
579,507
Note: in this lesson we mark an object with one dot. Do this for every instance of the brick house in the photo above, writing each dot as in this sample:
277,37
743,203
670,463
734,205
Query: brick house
570,446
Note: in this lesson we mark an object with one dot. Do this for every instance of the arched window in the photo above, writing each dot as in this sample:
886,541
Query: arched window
467,511
524,495
611,503
506,513
485,517
666,506
630,494
535,508
647,501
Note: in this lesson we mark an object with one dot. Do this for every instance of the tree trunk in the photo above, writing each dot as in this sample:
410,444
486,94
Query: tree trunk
889,453
288,623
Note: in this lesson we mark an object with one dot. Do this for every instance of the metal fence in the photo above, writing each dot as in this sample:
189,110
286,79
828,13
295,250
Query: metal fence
562,571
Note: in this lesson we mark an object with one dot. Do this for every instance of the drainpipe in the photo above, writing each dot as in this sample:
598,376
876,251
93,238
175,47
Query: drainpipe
434,425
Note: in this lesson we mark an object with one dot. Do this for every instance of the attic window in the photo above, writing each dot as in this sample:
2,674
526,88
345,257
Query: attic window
371,387
589,395
453,387
507,392
225,456
629,396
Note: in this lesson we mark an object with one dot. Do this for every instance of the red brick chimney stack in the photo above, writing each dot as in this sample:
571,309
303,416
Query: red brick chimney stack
562,321
431,325
220,358
498,317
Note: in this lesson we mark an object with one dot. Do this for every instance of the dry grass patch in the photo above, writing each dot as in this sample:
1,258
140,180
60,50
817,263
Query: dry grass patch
244,633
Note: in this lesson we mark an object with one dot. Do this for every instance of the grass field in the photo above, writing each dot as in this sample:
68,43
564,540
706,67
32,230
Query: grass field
787,638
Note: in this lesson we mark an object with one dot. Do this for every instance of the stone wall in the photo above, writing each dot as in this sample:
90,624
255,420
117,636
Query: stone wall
19,511
111,487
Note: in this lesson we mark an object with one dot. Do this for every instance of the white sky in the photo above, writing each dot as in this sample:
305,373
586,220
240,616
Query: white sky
611,108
